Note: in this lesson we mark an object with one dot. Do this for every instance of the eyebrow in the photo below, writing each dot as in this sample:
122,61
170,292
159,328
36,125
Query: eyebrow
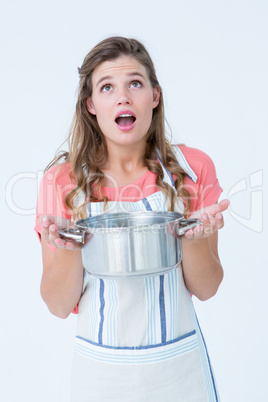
108,77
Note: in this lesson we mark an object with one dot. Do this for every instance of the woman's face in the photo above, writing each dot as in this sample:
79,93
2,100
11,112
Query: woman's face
123,101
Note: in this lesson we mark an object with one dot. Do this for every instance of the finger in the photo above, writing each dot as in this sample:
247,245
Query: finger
55,239
198,232
60,221
46,220
212,223
189,234
208,223
53,233
223,205
219,221
60,243
216,208
45,228
71,246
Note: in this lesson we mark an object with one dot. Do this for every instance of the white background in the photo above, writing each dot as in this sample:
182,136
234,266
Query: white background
212,62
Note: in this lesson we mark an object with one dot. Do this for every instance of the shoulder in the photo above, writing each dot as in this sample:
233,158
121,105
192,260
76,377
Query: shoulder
56,182
205,190
198,160
55,185
59,174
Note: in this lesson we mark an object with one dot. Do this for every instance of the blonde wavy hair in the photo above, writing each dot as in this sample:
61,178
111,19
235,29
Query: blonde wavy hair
87,145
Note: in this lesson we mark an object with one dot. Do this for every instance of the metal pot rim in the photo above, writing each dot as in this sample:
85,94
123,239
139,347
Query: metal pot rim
169,217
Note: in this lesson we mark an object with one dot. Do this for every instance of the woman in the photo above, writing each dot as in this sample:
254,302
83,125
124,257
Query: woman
137,339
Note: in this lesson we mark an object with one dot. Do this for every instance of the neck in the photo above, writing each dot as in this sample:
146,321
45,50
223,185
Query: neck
127,159
123,166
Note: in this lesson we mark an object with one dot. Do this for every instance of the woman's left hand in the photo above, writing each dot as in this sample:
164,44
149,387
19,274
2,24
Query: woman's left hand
212,220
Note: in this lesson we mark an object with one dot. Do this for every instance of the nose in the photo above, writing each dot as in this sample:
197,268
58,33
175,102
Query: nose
123,97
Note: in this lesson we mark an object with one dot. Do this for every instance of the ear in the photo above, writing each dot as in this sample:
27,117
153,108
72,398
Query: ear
156,96
90,106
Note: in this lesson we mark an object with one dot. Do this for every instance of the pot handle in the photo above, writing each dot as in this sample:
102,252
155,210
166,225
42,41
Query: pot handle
186,224
73,234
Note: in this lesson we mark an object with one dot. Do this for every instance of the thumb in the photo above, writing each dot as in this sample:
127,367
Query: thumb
223,205
216,208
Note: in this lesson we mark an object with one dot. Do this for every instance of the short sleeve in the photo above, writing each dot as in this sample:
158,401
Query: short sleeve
206,191
54,186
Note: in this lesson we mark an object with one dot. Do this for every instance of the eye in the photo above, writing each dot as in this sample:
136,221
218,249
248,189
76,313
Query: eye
106,88
136,84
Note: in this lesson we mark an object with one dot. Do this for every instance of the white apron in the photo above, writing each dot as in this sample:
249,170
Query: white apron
138,339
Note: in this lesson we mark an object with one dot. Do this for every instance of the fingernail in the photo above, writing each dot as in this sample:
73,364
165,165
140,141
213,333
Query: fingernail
52,228
205,217
45,222
220,216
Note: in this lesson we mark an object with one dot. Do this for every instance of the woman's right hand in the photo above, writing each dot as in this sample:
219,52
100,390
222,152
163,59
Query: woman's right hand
50,234
62,279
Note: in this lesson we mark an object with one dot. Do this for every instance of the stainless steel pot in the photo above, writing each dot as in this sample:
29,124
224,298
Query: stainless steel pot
130,244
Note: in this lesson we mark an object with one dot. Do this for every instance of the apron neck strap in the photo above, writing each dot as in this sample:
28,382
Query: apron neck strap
182,162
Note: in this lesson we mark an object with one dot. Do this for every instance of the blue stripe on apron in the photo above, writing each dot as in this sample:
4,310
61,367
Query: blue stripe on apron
166,170
184,165
144,347
162,310
89,209
168,174
161,291
102,304
93,310
146,204
209,364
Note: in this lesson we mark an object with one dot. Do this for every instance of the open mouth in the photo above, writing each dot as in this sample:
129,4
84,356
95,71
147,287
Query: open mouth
125,120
